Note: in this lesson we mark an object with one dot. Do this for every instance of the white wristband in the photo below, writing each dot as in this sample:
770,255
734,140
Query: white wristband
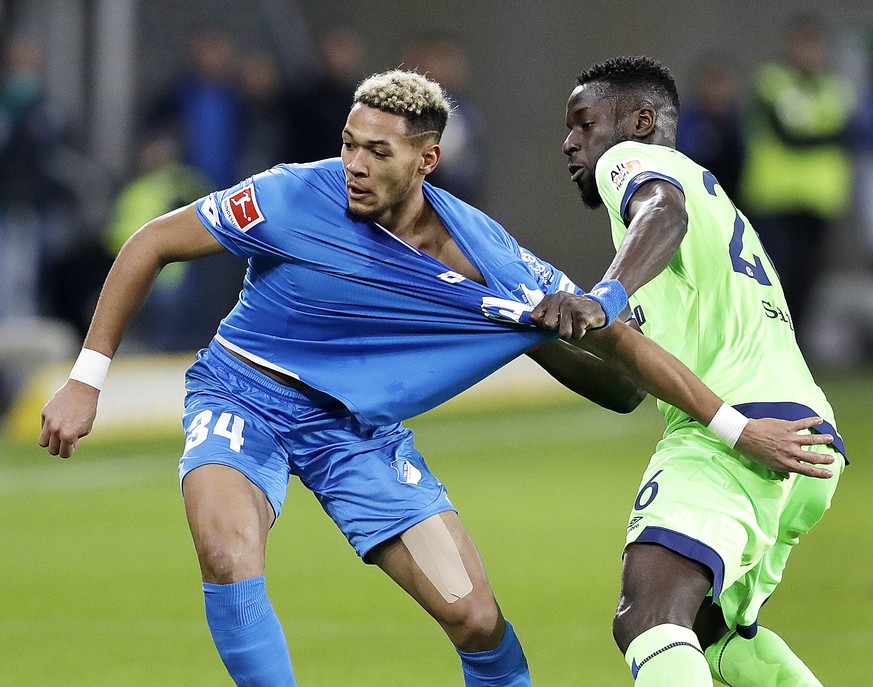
727,424
91,368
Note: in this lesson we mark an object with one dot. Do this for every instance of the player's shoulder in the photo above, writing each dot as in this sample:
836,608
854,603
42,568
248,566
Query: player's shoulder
629,159
318,171
274,195
296,181
451,205
475,226
637,153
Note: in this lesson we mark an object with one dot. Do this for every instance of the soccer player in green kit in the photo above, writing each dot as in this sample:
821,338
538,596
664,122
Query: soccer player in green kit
710,531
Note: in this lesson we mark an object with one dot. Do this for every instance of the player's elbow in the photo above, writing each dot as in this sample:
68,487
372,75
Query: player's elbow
143,246
628,402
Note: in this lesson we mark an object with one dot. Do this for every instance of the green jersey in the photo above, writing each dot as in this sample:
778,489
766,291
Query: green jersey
718,306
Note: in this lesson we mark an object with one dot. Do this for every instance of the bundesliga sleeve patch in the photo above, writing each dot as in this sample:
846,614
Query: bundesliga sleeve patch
241,208
622,171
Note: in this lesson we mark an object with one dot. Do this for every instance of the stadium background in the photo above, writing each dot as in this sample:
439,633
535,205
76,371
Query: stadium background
99,582
106,57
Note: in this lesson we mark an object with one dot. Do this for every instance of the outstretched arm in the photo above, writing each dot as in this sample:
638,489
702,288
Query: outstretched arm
589,376
176,236
773,443
657,224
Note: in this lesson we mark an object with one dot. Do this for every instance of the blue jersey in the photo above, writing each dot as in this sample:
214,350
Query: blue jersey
354,311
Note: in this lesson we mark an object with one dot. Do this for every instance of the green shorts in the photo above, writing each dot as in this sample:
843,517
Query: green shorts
741,520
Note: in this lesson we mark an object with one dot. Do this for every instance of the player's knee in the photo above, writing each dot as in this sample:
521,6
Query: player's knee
636,615
632,619
624,625
228,557
475,626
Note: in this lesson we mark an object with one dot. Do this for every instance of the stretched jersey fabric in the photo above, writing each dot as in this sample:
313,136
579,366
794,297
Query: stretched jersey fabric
353,311
718,306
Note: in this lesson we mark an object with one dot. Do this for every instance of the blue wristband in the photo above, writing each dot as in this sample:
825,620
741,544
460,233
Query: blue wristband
611,296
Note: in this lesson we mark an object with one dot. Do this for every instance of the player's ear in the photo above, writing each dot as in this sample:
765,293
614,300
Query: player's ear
643,122
430,157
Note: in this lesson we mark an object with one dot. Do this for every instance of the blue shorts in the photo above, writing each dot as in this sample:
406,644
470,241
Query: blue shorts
371,481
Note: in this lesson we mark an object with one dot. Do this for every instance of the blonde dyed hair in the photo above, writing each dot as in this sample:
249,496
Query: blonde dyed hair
419,100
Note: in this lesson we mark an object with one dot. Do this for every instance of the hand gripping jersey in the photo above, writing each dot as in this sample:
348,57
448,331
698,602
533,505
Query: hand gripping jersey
352,310
718,306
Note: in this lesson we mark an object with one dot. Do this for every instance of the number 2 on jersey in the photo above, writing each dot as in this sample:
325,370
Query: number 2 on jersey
199,430
755,270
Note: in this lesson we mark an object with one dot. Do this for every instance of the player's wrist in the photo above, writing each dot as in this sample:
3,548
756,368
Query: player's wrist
91,368
611,296
728,424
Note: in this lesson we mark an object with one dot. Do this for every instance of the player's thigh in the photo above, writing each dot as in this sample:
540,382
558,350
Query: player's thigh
372,481
806,504
230,420
708,504
655,574
233,489
658,586
810,498
437,563
229,517
234,469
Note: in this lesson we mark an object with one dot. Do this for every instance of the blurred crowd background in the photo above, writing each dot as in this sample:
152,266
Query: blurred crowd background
113,112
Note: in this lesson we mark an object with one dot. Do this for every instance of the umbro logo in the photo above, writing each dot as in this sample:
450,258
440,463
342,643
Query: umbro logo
634,521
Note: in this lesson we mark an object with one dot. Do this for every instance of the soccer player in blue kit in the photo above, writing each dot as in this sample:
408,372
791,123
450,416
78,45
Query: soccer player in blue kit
370,297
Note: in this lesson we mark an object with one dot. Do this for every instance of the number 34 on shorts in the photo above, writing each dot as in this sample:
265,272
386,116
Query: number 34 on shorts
227,425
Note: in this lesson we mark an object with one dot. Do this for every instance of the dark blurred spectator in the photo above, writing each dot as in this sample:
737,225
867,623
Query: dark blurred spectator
462,165
322,105
33,204
30,195
797,179
188,299
204,108
205,111
863,152
163,183
709,123
269,130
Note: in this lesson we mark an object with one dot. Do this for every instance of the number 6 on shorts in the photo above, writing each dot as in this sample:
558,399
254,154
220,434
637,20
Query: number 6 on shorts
647,493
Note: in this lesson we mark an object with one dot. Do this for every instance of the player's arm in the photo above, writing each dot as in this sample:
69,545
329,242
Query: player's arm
589,376
176,236
657,223
771,442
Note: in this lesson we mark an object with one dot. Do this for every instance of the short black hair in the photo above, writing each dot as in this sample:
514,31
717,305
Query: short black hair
631,82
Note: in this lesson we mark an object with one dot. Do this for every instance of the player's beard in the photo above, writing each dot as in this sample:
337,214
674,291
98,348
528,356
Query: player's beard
381,211
588,187
589,193
371,215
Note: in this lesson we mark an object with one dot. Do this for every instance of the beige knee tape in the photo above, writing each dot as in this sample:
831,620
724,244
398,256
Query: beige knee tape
434,551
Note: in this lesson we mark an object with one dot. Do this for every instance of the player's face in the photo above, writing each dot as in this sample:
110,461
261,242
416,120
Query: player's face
382,164
594,128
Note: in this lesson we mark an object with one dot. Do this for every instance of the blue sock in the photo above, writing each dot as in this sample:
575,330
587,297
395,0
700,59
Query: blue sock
504,666
247,634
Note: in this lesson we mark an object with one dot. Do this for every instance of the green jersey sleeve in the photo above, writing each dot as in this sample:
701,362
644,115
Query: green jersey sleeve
718,306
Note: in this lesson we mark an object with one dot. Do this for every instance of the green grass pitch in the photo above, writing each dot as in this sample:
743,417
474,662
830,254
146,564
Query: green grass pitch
99,582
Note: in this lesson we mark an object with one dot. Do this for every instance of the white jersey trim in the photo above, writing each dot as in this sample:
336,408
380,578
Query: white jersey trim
254,358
